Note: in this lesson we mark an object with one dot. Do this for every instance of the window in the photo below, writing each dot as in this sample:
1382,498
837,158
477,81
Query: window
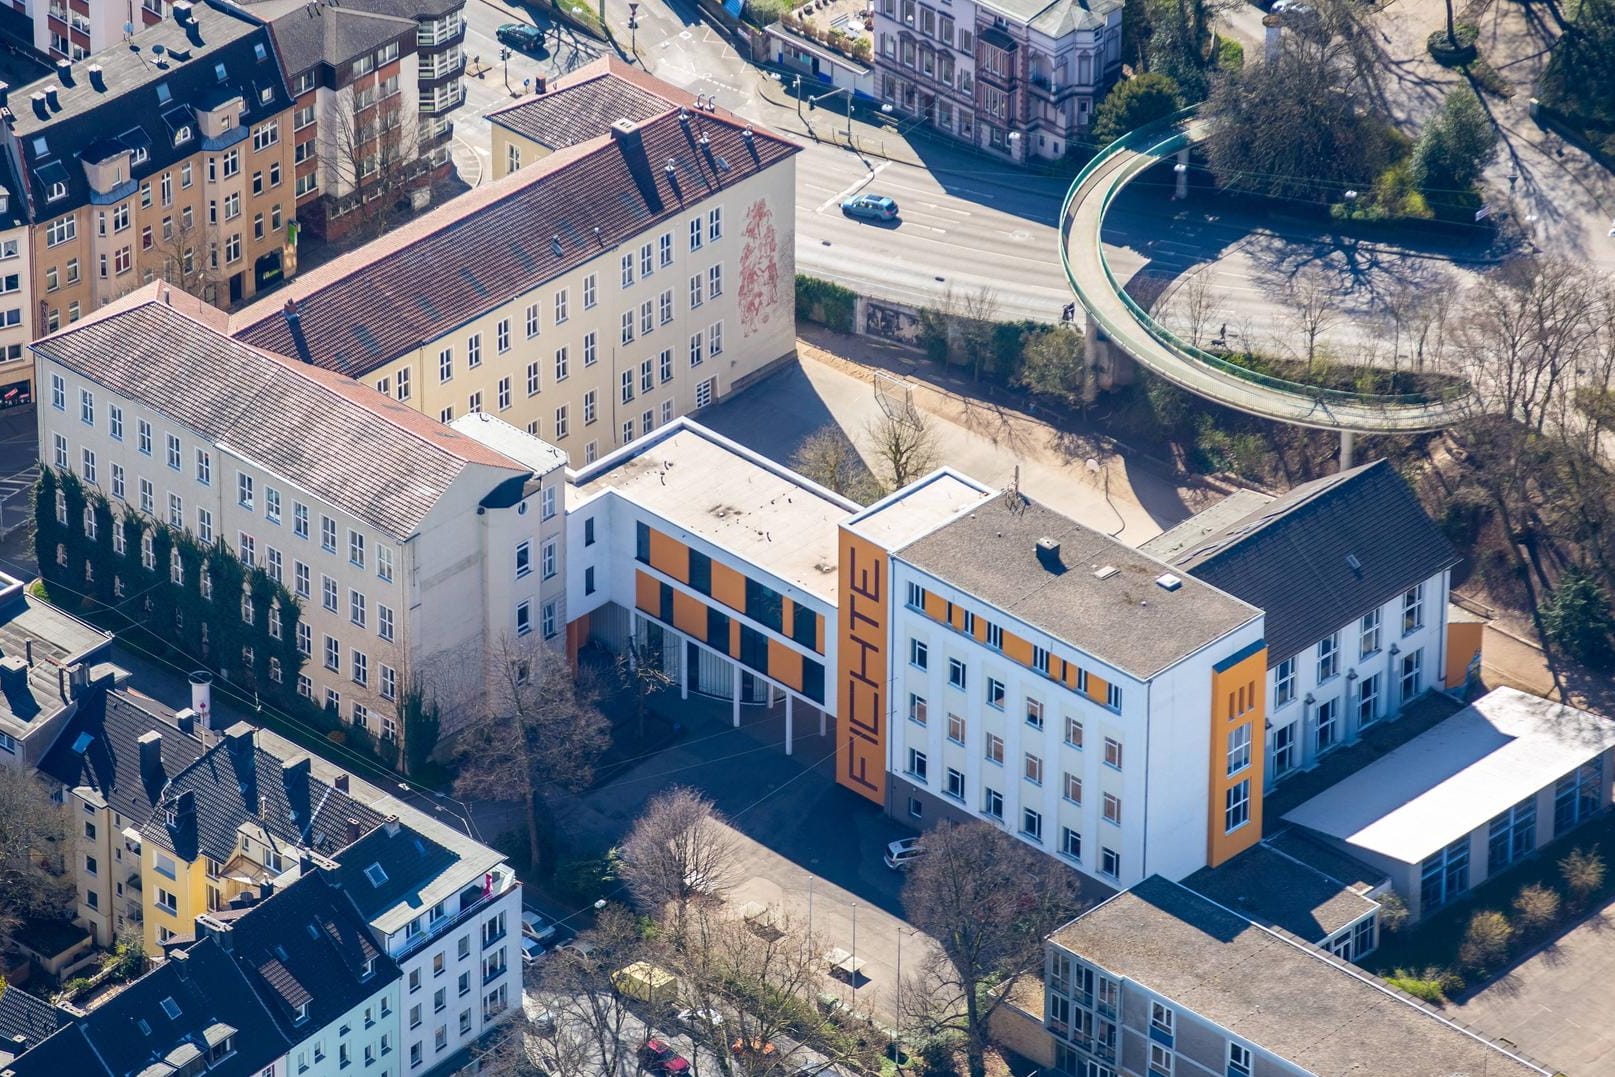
916,708
403,383
361,676
1413,609
995,693
627,274
300,576
627,327
1368,634
715,223
560,423
328,593
1284,682
86,407
327,534
1032,824
664,249
560,306
1368,699
1239,748
1113,697
956,673
1071,843
1112,808
333,654
1511,835
1160,1059
697,291
697,344
473,351
664,303
994,749
1412,674
299,520
548,559
918,653
524,618
173,453
384,622
1444,876
695,234
1110,863
501,335
955,784
917,765
445,364
1113,753
1328,725
1073,788
591,353
1328,657
956,729
1239,1061
524,559
1034,714
1073,732
204,526
1237,806
560,364
992,803
356,607
1034,769
355,549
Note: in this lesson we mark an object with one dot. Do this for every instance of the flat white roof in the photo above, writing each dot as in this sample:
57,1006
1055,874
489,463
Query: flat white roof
1450,780
519,445
917,508
763,514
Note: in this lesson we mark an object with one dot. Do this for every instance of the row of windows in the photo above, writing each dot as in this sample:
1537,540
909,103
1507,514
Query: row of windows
1369,640
1328,728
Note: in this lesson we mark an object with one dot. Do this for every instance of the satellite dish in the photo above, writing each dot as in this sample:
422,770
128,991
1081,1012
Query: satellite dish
157,50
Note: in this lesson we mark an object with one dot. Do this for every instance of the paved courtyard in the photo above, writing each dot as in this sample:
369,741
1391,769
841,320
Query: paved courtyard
1556,1005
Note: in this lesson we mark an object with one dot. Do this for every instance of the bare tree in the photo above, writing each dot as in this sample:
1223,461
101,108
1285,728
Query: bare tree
587,1033
988,900
1313,308
183,257
639,667
1200,305
33,847
679,852
375,151
829,458
539,730
903,444
978,318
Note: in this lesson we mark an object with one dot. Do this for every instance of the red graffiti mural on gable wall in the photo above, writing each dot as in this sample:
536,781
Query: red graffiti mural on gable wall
759,269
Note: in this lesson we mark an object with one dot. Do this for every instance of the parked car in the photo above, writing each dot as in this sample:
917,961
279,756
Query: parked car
700,1019
657,1057
903,852
870,207
532,950
535,926
577,947
522,37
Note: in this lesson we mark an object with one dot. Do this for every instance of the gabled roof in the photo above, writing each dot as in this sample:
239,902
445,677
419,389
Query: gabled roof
309,34
99,749
237,782
153,86
388,872
305,945
26,1020
179,1011
363,452
583,105
1324,554
477,252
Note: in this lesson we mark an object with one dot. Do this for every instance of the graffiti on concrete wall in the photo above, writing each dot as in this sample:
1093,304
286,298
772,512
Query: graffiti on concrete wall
890,321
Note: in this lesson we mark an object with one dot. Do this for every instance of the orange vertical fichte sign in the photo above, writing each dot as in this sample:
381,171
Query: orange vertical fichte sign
861,677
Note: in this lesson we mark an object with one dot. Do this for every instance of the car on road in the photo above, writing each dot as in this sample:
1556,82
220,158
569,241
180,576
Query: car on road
536,927
700,1019
532,950
871,207
657,1057
522,37
903,852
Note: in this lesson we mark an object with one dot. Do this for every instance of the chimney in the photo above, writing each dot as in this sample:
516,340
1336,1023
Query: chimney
305,864
28,649
392,826
98,78
209,927
239,737
186,720
294,324
265,890
539,84
52,99
37,99
342,782
13,674
151,757
64,71
294,779
1048,554
181,961
202,697
354,832
61,683
78,675
182,11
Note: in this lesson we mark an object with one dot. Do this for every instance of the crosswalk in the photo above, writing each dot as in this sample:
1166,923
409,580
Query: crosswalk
14,498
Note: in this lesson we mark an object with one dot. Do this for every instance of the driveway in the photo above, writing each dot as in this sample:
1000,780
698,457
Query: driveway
1556,1006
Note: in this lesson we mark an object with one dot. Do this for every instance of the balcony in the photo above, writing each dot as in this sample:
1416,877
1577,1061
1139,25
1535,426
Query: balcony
445,98
432,35
442,65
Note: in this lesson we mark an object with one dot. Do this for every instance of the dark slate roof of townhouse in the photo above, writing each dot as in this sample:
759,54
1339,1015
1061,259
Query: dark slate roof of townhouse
309,34
306,945
362,310
153,87
364,452
48,639
1323,554
408,860
403,9
237,782
580,106
99,748
33,1019
163,1022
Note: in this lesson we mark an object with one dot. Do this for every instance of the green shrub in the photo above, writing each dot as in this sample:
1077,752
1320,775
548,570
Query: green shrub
1577,618
76,986
1230,54
1583,873
1486,941
1537,908
826,303
1133,103
1425,985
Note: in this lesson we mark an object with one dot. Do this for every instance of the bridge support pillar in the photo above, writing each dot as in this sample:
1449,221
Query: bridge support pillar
1182,171
1348,446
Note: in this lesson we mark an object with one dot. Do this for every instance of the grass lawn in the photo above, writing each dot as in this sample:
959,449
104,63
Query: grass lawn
1435,942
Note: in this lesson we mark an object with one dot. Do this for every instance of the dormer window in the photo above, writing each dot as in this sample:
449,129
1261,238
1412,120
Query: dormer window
226,121
57,190
140,155
369,969
375,874
302,1014
182,136
266,94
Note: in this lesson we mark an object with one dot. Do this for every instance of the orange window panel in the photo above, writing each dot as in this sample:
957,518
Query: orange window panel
1098,689
818,628
784,664
734,638
669,555
935,607
1018,649
689,615
729,587
647,593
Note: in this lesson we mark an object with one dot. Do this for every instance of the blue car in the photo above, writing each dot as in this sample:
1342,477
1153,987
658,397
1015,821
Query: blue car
870,207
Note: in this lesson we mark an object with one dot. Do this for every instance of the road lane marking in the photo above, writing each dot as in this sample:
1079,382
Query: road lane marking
846,192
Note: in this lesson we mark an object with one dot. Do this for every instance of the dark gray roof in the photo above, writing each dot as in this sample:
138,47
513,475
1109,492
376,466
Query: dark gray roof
409,862
313,34
1289,998
403,9
306,944
99,748
153,85
236,782
363,452
578,108
1276,890
1125,619
133,1033
1293,558
54,639
33,1019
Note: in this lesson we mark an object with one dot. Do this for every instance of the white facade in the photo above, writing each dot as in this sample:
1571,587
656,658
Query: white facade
365,1037
1137,769
1366,671
462,970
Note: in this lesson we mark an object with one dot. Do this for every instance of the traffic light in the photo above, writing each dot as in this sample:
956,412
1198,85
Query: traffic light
813,102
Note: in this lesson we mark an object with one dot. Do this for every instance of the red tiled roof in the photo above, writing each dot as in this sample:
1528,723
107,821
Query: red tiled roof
363,310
